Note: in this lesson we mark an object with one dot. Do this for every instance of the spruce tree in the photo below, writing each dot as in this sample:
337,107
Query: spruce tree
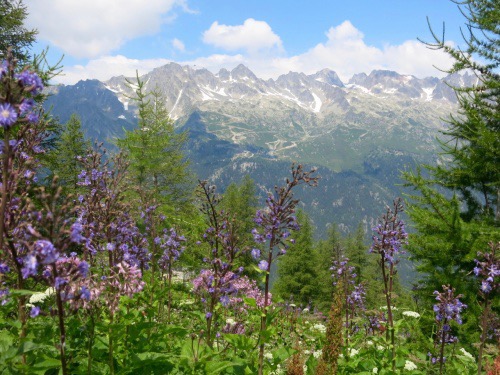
13,34
240,202
297,278
327,251
63,161
158,170
455,206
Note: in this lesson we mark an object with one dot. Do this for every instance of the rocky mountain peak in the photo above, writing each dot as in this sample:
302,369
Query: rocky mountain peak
327,76
241,72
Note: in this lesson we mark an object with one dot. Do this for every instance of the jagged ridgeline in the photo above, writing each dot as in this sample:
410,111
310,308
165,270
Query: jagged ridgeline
359,134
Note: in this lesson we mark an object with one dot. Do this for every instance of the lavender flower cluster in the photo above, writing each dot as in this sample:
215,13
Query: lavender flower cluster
390,235
278,219
488,269
20,88
170,242
447,310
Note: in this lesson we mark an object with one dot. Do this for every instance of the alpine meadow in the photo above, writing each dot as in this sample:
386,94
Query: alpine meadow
206,220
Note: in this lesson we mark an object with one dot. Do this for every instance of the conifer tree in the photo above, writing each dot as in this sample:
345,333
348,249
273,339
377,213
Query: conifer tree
357,252
240,202
63,161
327,251
297,278
158,170
12,31
455,209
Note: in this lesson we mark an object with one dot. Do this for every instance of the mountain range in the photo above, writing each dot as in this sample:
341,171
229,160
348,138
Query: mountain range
360,134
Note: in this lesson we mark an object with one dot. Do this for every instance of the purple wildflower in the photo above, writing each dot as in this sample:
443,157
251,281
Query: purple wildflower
4,268
255,254
46,251
263,265
35,311
31,81
76,232
8,115
26,105
488,269
30,266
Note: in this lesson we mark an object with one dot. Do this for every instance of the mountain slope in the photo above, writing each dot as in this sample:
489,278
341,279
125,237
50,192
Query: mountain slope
359,134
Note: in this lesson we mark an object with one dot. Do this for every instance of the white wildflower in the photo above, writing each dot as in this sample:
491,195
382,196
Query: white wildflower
319,327
409,366
268,356
41,296
375,370
412,314
230,321
353,352
369,342
278,371
385,308
318,353
467,354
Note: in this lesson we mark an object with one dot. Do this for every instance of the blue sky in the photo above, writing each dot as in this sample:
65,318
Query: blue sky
105,38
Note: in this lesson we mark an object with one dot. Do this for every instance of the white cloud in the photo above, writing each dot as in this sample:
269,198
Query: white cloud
344,51
178,45
91,28
252,36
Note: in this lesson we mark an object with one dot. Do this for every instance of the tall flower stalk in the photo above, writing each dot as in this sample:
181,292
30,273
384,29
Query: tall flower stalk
389,237
344,279
488,271
22,133
171,244
447,310
275,223
113,243
217,282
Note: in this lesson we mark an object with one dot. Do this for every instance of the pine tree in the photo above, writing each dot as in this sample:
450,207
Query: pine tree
357,252
158,169
326,251
455,210
12,31
297,278
473,136
240,201
62,161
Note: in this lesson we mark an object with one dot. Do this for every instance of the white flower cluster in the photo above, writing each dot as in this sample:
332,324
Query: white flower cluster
318,353
278,371
268,356
410,366
385,308
319,327
375,370
467,354
40,297
413,314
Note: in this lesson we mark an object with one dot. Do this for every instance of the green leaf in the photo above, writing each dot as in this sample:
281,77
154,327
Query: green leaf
250,302
216,368
6,340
